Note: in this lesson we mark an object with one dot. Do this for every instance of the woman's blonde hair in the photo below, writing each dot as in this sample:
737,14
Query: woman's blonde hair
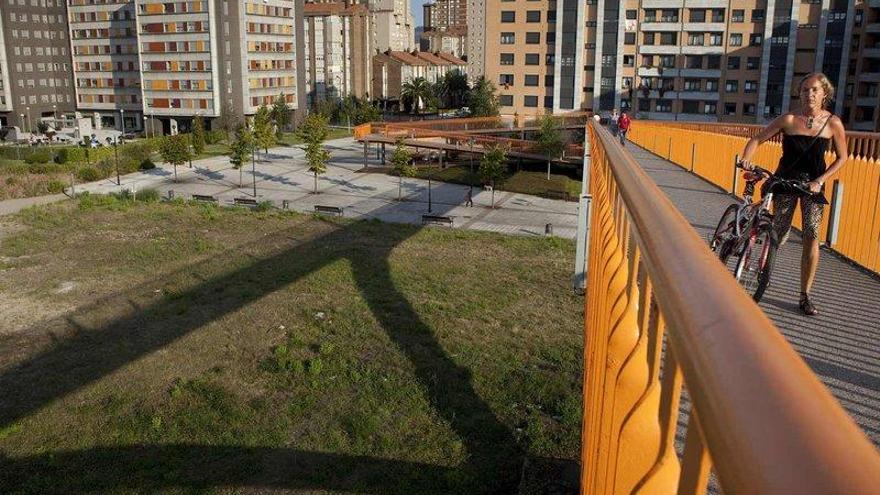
823,80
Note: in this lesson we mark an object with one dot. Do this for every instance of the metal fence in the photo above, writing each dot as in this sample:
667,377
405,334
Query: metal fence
760,418
852,224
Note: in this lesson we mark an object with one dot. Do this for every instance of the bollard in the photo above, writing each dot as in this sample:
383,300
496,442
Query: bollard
548,229
693,155
170,194
285,204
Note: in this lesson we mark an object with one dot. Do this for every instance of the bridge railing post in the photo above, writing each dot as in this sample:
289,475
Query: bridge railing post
834,216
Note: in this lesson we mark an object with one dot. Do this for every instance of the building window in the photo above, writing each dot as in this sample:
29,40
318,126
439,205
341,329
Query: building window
548,81
648,39
505,80
711,84
732,63
551,38
505,100
694,62
669,15
749,109
690,106
644,105
736,39
664,106
629,38
533,38
668,38
698,15
508,16
647,61
626,82
551,16
508,38
717,15
667,61
716,39
550,59
696,39
757,15
531,80
629,60
710,108
752,63
751,87
548,102
738,15
731,86
650,15
506,59
691,85
608,60
530,101
632,14
756,39
533,59
533,16
730,109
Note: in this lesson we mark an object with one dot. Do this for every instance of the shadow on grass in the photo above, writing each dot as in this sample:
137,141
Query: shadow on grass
92,353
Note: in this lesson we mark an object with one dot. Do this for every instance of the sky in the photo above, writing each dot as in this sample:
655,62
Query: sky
416,6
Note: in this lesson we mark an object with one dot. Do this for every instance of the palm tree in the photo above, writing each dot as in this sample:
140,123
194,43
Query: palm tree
415,91
453,88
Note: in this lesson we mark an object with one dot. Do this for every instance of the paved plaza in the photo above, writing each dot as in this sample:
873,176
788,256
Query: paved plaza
283,175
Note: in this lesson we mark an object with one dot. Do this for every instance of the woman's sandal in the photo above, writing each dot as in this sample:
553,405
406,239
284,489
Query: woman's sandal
807,306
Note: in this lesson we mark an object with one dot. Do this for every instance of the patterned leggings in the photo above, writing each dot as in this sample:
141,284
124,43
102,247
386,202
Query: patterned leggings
811,213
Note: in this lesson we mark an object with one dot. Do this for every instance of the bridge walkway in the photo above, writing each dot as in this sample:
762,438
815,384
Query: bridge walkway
842,343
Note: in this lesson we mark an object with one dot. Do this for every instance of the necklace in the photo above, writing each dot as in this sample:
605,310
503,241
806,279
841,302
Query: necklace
809,119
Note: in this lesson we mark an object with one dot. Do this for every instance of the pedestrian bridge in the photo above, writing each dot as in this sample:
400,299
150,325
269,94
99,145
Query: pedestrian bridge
684,375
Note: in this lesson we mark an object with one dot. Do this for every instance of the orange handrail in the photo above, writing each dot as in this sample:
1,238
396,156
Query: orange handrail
709,150
759,415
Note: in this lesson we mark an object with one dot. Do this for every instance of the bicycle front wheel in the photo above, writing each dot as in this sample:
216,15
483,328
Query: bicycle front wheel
755,260
722,240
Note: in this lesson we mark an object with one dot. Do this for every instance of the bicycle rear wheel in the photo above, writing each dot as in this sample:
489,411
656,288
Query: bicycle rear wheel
722,240
755,260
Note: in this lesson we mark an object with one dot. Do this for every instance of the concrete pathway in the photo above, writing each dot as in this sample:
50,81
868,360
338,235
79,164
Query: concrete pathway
842,343
282,175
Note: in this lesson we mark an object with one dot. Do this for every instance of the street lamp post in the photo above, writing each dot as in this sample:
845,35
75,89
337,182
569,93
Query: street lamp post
122,119
254,168
471,143
116,142
29,125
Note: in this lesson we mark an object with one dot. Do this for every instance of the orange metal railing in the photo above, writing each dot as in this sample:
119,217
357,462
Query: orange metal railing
759,417
709,150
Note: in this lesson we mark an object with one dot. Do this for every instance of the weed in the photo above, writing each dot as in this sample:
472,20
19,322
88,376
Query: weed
148,195
264,206
315,367
9,430
326,348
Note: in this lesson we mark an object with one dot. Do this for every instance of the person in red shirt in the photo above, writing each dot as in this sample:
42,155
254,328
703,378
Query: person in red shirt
622,127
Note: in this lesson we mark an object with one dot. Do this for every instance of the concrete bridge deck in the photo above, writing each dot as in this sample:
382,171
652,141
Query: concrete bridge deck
842,343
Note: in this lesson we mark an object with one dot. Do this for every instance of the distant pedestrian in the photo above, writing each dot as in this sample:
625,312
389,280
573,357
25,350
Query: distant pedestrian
469,199
613,121
623,123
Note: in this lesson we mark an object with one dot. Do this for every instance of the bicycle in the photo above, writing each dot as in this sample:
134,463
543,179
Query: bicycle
746,232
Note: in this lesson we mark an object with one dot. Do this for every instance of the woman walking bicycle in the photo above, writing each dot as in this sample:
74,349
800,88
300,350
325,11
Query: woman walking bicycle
806,136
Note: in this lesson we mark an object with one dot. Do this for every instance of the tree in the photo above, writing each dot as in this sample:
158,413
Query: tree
482,101
264,136
367,112
280,114
317,158
240,150
175,150
401,162
198,135
314,131
416,92
549,139
492,166
453,89
229,120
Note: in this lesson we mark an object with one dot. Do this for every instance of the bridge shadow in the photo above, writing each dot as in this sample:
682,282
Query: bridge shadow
89,354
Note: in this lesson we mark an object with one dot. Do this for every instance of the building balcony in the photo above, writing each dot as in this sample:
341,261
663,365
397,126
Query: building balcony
695,73
699,95
662,4
659,26
655,72
871,52
873,27
704,4
697,117
873,76
863,125
702,50
655,115
655,95
867,101
704,27
659,49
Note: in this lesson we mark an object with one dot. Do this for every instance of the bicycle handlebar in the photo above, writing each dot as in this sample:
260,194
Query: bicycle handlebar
796,184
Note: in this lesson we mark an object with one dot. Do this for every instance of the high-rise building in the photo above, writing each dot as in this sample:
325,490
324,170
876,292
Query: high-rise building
476,40
393,25
714,60
35,71
337,50
861,94
446,26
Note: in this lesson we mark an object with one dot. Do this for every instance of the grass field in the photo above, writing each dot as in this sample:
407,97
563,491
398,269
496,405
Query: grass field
177,348
524,182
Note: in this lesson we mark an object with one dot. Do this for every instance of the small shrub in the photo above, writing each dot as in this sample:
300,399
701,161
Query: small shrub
215,136
41,156
11,180
62,156
316,366
44,168
55,186
88,174
148,196
264,206
147,164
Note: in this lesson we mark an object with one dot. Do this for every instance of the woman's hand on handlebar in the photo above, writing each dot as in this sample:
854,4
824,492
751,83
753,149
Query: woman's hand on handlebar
814,187
745,165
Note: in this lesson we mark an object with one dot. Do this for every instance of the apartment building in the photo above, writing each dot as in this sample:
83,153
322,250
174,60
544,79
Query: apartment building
338,45
861,110
713,60
35,71
392,69
451,40
476,40
393,25
106,65
446,26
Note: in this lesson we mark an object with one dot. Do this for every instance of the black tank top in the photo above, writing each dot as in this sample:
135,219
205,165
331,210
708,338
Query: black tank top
800,163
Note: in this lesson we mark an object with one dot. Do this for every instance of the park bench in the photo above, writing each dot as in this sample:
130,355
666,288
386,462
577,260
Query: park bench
204,198
244,202
436,219
332,210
